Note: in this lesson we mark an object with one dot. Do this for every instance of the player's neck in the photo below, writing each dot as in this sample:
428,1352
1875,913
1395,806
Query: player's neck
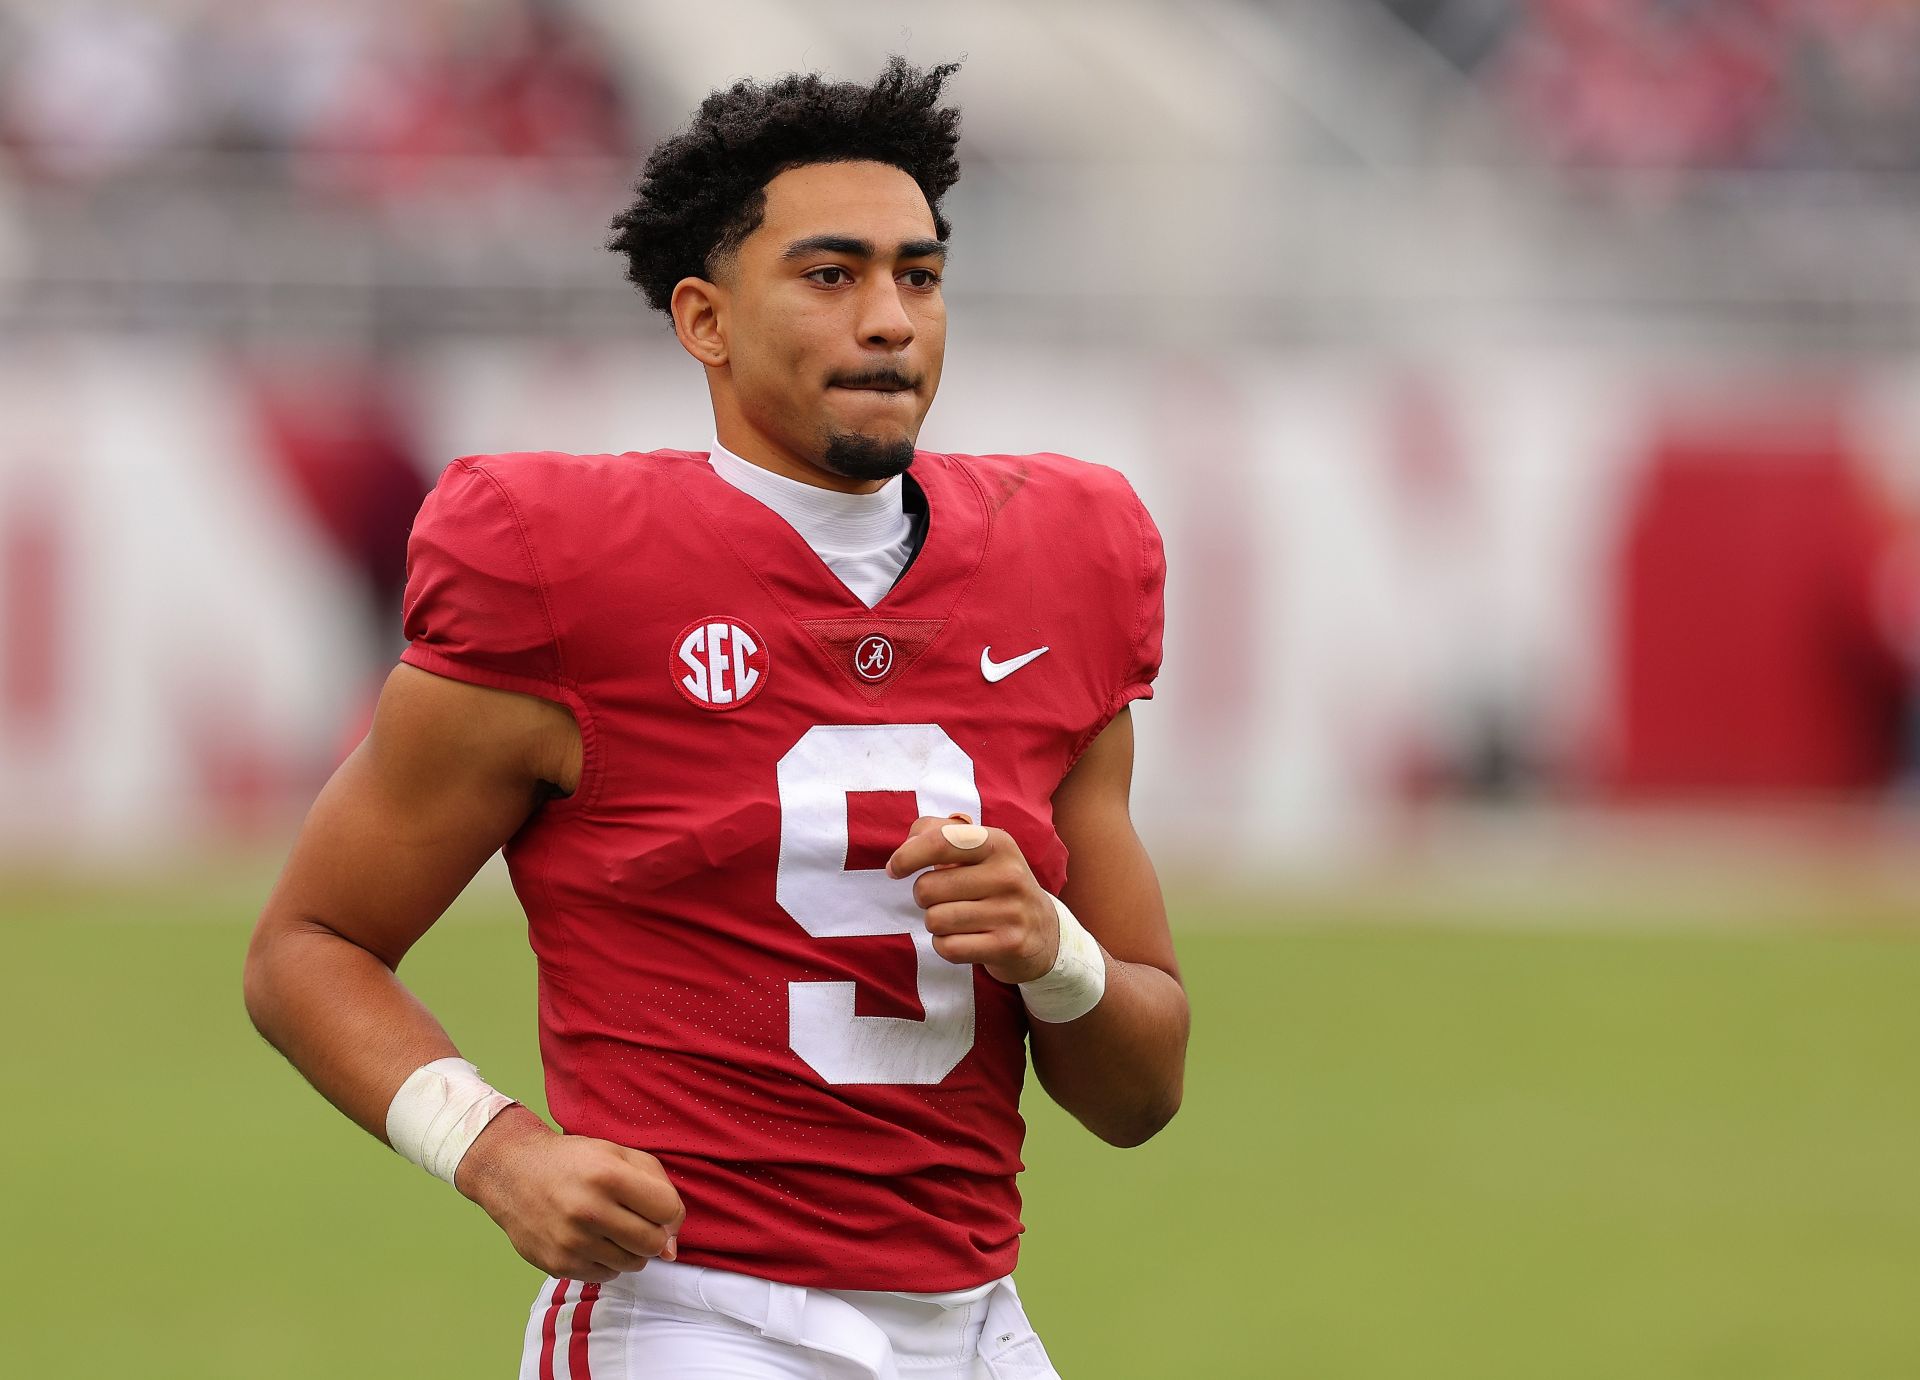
756,449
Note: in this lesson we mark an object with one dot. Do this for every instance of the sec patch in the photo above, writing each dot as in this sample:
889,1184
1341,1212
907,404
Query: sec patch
719,662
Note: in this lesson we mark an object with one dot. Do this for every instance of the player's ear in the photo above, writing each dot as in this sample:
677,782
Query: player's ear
697,307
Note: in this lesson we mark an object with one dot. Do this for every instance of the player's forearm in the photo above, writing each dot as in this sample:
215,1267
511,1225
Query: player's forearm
1120,1068
339,1015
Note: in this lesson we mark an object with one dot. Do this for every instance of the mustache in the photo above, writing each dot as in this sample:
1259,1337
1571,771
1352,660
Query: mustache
880,376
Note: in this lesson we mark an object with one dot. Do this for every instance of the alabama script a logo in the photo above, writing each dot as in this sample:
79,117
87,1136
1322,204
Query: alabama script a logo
873,658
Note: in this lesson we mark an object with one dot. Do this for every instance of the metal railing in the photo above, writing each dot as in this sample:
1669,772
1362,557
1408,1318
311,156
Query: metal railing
1150,252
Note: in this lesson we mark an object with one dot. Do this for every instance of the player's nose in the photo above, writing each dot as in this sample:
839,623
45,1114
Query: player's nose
884,319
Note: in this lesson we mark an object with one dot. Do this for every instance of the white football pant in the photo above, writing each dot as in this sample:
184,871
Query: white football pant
683,1322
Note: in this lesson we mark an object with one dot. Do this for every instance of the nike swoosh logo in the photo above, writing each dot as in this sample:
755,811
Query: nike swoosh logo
1000,670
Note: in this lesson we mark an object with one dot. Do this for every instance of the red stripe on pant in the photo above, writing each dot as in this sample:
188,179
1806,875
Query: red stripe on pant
577,1365
547,1330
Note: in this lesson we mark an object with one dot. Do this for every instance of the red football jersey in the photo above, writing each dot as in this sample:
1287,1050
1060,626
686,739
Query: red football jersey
728,978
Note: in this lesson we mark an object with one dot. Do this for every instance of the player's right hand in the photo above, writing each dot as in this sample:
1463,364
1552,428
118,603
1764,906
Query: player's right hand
573,1206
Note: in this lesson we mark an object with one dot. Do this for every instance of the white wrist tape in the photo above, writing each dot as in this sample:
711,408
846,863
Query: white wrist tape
1077,980
439,1112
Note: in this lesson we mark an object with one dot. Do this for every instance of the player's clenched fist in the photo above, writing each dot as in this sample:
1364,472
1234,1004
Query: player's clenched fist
573,1206
983,905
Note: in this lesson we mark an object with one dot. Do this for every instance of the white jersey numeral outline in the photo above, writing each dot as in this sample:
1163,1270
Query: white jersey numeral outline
829,902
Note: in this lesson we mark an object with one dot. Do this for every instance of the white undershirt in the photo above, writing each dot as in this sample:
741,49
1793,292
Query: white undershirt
865,539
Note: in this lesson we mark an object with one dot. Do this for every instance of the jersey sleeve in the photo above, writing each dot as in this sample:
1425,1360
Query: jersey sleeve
1142,663
476,609
1135,591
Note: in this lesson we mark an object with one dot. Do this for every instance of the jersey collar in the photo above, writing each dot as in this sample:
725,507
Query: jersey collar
958,522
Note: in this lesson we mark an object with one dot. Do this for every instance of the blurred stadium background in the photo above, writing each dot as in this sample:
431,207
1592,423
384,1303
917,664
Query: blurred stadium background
1529,394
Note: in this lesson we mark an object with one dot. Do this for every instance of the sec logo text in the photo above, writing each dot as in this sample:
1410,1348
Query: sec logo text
719,662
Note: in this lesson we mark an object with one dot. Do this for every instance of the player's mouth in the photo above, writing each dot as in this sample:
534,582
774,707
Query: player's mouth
875,381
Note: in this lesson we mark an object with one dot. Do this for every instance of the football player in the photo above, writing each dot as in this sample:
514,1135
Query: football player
810,755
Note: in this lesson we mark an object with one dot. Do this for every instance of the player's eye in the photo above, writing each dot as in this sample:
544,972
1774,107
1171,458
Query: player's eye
831,275
921,278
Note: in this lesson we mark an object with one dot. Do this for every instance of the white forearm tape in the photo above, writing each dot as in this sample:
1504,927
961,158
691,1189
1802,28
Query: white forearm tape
1077,980
439,1112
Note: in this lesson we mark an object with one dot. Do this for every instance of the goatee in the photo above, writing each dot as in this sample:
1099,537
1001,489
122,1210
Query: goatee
854,456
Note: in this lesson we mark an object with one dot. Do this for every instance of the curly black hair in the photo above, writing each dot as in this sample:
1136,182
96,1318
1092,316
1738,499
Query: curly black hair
704,190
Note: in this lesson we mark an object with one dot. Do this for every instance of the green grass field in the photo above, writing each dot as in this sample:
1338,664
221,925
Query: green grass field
1406,1152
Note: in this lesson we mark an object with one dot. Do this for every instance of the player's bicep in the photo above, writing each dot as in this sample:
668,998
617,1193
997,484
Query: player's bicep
1111,885
446,775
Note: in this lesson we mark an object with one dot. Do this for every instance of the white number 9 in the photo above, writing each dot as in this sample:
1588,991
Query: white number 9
829,902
